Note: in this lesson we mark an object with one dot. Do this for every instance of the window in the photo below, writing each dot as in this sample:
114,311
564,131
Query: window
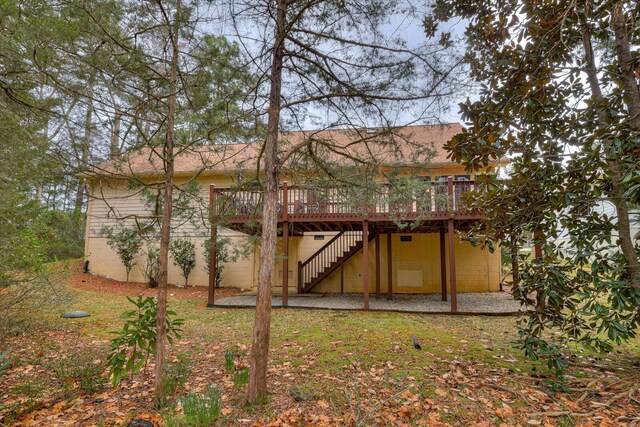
406,238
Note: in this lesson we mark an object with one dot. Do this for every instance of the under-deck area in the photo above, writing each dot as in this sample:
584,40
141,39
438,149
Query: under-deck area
488,303
366,230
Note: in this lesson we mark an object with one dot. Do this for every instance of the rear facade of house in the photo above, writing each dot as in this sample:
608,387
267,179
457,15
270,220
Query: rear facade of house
324,243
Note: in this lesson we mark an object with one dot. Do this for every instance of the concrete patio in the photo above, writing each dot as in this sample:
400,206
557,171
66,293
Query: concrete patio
469,303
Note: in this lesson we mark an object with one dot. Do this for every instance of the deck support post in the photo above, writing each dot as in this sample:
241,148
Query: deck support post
443,265
377,263
452,267
365,262
389,268
285,244
212,247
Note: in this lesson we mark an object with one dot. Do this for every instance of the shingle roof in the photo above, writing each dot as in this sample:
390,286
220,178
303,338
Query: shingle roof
407,145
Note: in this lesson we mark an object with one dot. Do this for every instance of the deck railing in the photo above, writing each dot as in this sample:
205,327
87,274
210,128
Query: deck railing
438,198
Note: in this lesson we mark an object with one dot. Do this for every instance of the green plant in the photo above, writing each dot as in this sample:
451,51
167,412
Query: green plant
224,255
176,373
131,349
202,410
151,270
5,361
80,370
184,256
230,356
241,377
126,243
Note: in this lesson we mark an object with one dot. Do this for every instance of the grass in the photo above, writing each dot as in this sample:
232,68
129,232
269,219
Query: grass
333,356
336,336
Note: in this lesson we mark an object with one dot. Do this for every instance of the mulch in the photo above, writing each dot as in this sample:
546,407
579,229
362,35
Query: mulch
92,282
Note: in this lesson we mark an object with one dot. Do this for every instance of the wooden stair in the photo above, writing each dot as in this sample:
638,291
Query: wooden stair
328,258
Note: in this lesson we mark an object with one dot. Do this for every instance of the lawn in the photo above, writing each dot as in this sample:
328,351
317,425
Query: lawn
326,368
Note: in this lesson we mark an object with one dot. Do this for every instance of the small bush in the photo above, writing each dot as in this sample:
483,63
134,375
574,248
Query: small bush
184,256
230,356
176,373
126,243
136,342
5,362
81,371
202,410
241,377
151,270
225,253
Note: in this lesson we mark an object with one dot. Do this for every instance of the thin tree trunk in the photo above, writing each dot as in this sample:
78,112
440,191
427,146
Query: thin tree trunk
165,236
84,156
616,193
515,267
114,149
257,388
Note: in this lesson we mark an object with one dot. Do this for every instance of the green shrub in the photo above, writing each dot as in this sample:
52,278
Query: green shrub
202,410
176,373
5,362
224,255
184,256
126,243
230,356
151,270
241,377
131,349
81,370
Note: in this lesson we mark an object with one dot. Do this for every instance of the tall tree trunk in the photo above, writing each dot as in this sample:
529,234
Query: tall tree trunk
114,149
84,153
616,194
625,66
165,236
257,388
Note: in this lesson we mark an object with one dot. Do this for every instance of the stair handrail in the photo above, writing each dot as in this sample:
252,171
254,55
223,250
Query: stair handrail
325,246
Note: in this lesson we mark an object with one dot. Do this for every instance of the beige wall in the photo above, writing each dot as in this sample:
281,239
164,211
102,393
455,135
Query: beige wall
416,266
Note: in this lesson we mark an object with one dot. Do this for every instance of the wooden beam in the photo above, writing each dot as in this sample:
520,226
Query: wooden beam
285,244
285,264
365,262
452,267
450,196
212,247
377,263
389,268
443,265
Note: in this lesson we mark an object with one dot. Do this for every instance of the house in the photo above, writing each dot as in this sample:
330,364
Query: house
411,245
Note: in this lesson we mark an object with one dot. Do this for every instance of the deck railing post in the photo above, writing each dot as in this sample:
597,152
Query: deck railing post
212,247
450,197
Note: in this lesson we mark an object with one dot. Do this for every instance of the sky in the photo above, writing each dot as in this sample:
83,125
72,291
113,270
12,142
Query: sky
405,27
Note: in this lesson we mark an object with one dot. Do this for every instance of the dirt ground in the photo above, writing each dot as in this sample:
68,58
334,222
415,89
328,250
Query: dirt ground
326,368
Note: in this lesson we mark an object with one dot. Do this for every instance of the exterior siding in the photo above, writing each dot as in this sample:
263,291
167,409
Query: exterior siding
416,267
416,264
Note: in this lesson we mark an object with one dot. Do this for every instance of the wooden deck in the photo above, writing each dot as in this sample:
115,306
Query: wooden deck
334,209
436,207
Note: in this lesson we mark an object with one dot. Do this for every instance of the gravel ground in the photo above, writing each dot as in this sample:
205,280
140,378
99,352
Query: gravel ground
493,302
